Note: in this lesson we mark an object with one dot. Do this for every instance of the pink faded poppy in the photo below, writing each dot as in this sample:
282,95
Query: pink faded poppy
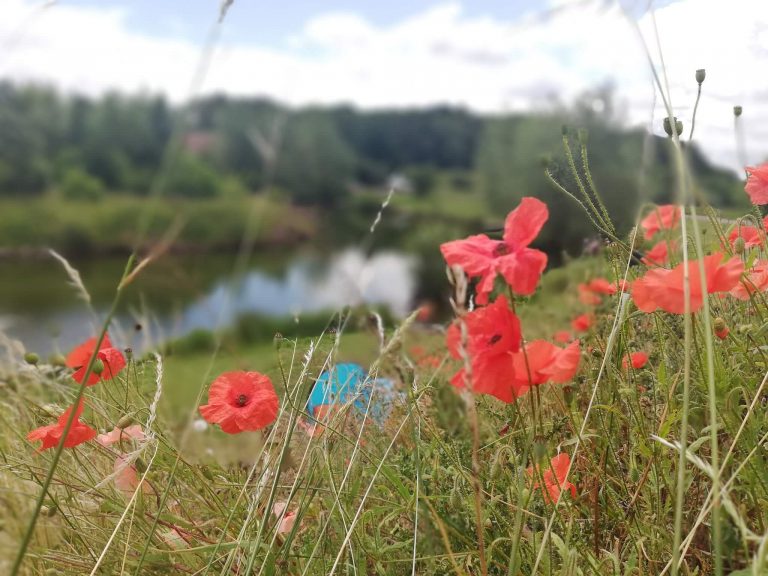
660,218
241,401
541,361
117,434
127,477
757,184
51,435
659,254
751,235
286,520
662,288
112,359
756,281
483,258
636,359
554,477
583,322
493,335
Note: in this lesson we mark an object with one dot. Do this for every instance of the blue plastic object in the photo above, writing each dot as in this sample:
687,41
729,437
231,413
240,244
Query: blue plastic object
349,382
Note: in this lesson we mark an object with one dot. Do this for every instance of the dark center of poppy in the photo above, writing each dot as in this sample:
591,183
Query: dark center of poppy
501,249
495,338
242,399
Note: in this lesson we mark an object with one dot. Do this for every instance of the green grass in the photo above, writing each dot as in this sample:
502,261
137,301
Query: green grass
620,521
111,224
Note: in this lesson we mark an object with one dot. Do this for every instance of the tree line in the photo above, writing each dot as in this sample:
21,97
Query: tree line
86,149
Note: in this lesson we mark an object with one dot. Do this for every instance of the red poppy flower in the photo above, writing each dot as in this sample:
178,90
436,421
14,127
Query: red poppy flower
583,322
757,184
51,434
240,401
521,266
563,336
638,360
429,361
601,286
417,351
751,235
756,281
493,335
590,292
555,477
587,297
722,333
621,285
544,362
659,254
111,357
662,288
661,218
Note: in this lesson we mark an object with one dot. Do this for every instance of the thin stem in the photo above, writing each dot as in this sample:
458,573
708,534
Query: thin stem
695,108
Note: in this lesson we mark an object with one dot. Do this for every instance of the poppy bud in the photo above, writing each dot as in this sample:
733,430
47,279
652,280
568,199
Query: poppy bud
539,451
700,75
737,111
98,366
31,358
719,324
668,126
207,473
564,129
545,160
739,245
634,474
125,421
129,353
583,136
568,395
140,465
57,360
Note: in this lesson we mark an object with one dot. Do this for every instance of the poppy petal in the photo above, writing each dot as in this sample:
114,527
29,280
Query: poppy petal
524,223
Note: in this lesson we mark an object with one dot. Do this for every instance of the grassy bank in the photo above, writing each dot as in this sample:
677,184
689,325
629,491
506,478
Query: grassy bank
111,225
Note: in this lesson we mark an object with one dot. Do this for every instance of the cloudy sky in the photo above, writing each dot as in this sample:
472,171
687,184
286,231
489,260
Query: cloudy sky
488,55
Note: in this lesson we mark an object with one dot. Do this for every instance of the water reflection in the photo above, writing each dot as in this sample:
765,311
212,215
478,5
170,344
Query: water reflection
307,283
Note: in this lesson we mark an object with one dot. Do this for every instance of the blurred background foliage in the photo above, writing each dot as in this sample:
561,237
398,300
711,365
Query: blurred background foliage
84,165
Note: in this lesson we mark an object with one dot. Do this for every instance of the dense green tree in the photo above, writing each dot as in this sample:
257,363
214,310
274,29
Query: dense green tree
314,163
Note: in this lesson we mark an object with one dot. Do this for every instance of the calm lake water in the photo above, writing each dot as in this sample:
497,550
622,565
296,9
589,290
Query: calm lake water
176,295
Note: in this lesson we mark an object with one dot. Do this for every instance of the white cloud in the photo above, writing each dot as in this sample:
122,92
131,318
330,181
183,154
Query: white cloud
439,55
